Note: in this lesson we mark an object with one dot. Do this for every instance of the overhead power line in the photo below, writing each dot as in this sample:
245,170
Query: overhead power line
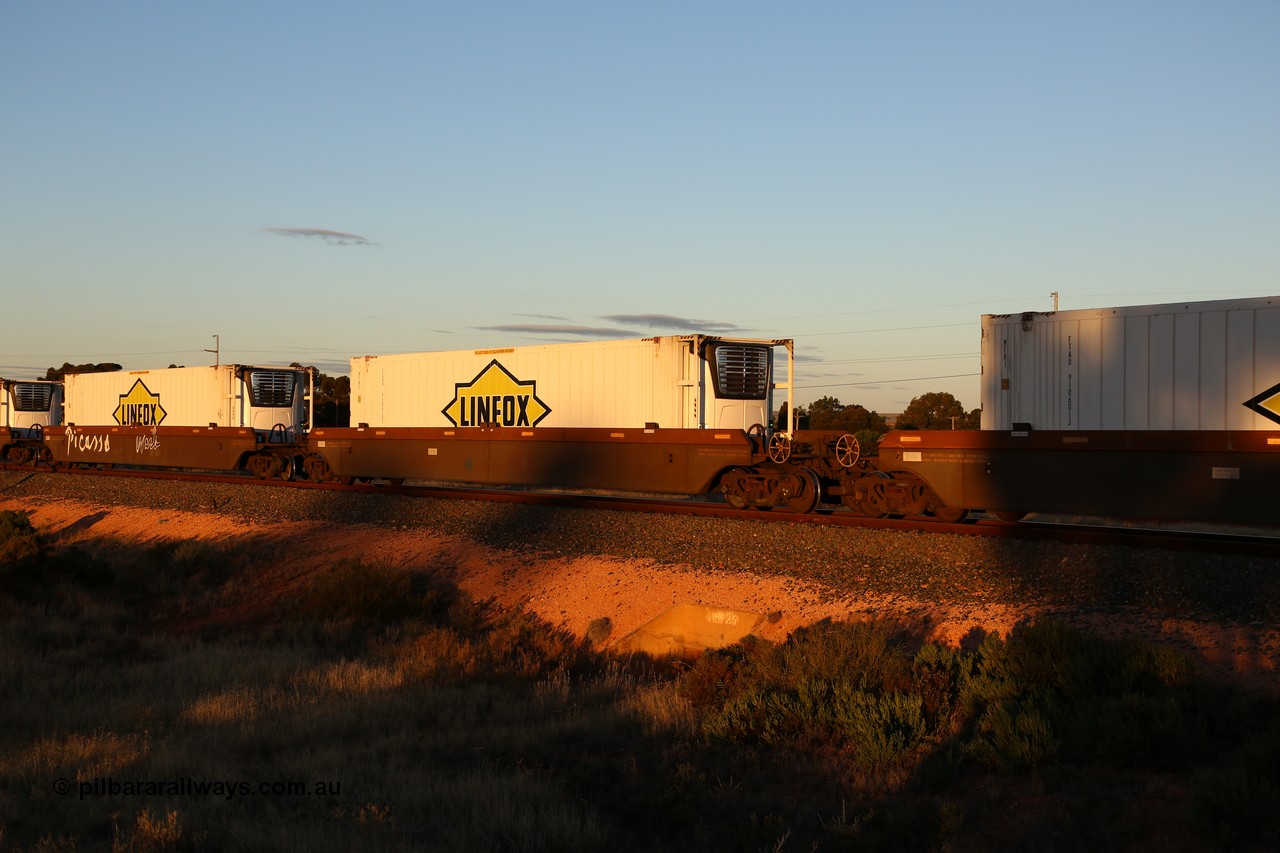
888,381
893,358
869,331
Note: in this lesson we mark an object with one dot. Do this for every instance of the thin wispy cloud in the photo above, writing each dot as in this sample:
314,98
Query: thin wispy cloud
544,317
559,330
324,235
669,321
658,322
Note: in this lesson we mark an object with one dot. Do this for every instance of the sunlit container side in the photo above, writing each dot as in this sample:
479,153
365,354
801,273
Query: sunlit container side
675,382
224,417
227,395
1199,366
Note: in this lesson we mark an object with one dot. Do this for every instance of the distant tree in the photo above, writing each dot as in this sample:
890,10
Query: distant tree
861,419
824,411
868,442
331,400
828,413
56,373
935,410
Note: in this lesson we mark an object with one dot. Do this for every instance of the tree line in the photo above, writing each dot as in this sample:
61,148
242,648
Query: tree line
934,410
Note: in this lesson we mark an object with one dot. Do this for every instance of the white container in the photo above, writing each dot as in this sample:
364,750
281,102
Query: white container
1183,366
226,395
26,405
686,382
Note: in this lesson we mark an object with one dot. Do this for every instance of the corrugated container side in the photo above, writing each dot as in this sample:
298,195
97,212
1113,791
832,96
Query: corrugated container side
1136,370
1189,366
1267,349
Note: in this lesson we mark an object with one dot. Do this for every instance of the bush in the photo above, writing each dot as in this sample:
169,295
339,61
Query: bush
21,547
1051,690
354,590
30,569
862,653
837,684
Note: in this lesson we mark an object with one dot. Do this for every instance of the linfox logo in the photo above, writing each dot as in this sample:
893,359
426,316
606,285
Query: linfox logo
1267,403
495,398
139,407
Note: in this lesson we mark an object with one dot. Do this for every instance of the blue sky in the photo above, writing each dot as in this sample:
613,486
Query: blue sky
320,180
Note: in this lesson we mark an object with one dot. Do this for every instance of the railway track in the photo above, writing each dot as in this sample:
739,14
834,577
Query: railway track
1109,532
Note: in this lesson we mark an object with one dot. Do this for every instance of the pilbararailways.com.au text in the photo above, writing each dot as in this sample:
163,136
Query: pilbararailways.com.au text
189,787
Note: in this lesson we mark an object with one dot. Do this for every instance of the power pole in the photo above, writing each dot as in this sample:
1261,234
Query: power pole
217,355
1054,294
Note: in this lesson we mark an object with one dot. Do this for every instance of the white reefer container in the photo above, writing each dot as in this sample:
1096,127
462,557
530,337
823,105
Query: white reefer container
686,382
28,405
1184,366
225,395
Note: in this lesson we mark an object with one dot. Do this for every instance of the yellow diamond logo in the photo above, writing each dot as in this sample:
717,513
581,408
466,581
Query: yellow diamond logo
139,407
1267,403
495,398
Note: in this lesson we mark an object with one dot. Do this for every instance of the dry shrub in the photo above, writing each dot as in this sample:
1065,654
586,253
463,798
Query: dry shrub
662,709
836,683
367,593
1052,691
722,675
436,656
77,756
521,644
151,833
865,654
20,545
354,677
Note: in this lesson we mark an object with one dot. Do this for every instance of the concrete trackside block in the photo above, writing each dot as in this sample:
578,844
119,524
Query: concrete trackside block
688,630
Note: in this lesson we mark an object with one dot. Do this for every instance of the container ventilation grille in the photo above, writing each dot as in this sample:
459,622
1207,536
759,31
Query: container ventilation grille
742,371
32,397
271,388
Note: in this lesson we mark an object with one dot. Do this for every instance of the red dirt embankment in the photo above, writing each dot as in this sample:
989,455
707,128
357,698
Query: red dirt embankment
572,592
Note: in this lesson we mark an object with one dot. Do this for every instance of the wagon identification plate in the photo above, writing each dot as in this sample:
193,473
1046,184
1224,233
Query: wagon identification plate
139,407
495,398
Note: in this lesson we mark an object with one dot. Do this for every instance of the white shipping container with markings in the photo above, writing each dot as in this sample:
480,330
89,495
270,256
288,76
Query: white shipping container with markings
224,395
1211,365
686,382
